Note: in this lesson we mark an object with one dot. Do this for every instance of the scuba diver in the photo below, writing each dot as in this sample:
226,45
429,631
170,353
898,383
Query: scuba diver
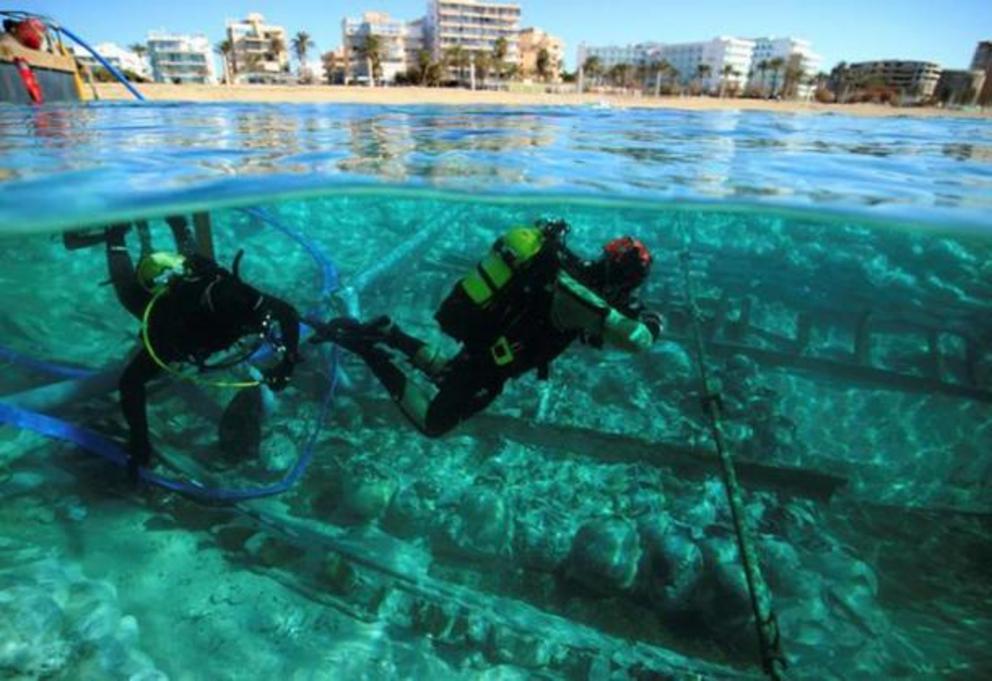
190,308
524,304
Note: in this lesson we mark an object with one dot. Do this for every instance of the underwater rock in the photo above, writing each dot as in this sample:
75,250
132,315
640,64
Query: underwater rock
273,551
32,644
539,544
337,574
278,453
675,366
605,555
482,524
239,432
365,495
409,514
671,567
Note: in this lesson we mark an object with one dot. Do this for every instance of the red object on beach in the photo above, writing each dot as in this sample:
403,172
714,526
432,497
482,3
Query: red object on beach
30,33
30,82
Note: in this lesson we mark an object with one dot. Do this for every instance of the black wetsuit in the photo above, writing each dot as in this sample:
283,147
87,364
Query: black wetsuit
201,313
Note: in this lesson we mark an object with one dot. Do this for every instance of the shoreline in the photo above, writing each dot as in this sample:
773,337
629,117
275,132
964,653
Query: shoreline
398,96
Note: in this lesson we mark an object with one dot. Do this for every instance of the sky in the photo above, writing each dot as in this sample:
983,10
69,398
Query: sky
840,30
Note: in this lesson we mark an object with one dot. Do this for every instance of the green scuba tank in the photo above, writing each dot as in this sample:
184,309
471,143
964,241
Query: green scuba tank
501,287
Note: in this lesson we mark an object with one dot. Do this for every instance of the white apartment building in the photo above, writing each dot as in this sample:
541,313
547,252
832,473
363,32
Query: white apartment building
259,51
612,55
179,58
120,58
473,25
767,50
717,55
401,41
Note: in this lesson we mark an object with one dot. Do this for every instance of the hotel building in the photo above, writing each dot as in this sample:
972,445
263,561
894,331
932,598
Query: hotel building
532,41
177,58
259,51
473,25
911,80
118,57
982,61
401,42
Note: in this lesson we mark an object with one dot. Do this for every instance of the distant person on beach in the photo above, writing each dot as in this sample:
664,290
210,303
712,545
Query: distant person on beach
190,308
524,304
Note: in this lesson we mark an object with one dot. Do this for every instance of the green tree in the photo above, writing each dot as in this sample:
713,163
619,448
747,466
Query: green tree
301,45
593,68
762,69
726,72
500,49
276,47
371,51
138,48
457,58
775,65
794,74
424,62
483,65
543,64
702,73
225,50
330,61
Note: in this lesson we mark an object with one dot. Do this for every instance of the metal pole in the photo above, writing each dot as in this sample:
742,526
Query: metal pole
772,659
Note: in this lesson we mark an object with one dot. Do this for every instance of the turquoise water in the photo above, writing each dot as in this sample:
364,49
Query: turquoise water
578,528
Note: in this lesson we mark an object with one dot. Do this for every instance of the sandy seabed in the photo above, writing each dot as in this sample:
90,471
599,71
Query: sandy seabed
457,97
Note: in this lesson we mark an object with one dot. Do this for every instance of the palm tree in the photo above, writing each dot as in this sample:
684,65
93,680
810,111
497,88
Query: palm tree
794,74
727,72
593,67
458,58
702,73
424,63
225,49
483,65
301,45
371,51
762,68
330,61
543,64
500,49
276,46
775,65
139,49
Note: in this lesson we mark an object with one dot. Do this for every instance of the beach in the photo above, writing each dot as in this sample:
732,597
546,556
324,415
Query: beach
460,97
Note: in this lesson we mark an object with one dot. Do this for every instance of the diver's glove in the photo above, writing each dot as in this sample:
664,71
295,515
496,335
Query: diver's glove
654,321
352,334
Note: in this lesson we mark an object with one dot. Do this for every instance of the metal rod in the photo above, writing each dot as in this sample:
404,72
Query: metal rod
772,659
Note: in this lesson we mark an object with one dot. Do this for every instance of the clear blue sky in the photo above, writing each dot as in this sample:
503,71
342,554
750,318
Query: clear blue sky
850,30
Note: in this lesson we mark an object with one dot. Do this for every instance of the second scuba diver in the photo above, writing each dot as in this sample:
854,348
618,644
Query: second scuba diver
524,304
190,308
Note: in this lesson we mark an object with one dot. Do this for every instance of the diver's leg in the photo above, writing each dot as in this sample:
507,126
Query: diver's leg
138,372
182,234
464,389
144,237
129,292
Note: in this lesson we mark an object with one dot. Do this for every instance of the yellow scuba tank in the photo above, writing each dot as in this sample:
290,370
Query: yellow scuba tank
476,310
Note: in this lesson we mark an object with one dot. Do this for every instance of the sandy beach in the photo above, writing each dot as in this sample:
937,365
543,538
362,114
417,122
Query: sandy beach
455,97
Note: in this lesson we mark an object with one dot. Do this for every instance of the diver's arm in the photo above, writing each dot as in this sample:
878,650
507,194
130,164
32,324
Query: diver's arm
576,308
289,324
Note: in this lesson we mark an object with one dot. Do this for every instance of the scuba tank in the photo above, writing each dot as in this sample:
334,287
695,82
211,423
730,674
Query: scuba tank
513,279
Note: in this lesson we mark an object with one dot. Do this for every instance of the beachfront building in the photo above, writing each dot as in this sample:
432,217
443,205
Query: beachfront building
909,81
120,58
982,61
783,67
473,26
711,65
609,56
259,51
399,45
179,58
959,87
532,42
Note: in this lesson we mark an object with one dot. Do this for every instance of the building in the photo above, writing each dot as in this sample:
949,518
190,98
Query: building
722,62
177,58
796,64
614,55
910,81
400,43
120,58
474,26
259,51
982,61
532,42
714,56
959,87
